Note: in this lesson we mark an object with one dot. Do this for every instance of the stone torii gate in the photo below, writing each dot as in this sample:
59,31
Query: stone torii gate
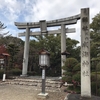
85,44
43,26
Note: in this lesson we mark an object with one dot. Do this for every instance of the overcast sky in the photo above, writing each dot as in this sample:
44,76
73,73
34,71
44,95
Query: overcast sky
34,10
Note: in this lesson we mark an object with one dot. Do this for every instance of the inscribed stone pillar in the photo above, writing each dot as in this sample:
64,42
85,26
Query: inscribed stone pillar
85,54
26,53
63,46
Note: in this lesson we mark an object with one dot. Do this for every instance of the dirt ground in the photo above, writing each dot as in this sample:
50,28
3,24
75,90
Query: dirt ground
21,92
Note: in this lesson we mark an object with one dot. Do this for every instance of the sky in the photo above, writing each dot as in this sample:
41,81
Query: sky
35,10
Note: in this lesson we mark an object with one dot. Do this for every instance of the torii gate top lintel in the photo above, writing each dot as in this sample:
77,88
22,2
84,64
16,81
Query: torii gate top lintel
58,22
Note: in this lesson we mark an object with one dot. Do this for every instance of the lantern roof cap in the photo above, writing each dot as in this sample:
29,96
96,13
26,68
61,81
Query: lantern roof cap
65,53
44,52
4,54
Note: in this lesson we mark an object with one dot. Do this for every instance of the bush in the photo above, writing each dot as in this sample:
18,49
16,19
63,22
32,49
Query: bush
69,64
98,84
16,72
31,73
98,77
77,67
98,66
93,77
68,67
76,77
64,79
93,87
98,92
67,79
70,88
1,74
77,89
74,89
67,73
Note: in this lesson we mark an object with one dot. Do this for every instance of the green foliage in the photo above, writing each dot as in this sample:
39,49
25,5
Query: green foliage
67,73
93,87
2,27
67,79
98,92
77,89
77,77
70,88
93,77
13,51
95,36
16,72
72,74
69,64
31,73
64,79
74,89
1,74
77,67
72,48
95,25
98,84
98,66
95,53
51,43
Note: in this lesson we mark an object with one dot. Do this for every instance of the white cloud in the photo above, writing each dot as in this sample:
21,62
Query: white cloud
35,10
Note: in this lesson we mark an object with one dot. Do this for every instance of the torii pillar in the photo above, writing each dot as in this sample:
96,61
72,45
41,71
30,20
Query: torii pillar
26,52
63,47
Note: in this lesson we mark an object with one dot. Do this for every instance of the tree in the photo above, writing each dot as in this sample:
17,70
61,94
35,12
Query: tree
72,74
68,67
95,53
95,36
13,51
52,44
73,48
2,27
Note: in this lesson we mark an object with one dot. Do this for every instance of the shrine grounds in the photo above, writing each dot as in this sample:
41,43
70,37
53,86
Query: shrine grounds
23,92
15,91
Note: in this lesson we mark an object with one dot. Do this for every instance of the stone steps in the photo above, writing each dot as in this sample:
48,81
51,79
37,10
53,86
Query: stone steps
34,82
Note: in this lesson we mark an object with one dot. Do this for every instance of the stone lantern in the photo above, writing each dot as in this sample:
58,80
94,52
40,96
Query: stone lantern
43,63
44,58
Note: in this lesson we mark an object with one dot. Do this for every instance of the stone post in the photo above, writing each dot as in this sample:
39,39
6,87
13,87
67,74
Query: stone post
26,53
85,54
63,46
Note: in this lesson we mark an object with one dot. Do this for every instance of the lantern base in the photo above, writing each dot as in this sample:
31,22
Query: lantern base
4,77
43,95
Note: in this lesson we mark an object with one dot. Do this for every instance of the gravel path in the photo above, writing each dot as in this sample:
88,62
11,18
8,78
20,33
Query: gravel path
21,92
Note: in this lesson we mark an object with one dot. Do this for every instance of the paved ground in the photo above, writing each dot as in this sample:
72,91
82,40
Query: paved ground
21,92
78,97
26,90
